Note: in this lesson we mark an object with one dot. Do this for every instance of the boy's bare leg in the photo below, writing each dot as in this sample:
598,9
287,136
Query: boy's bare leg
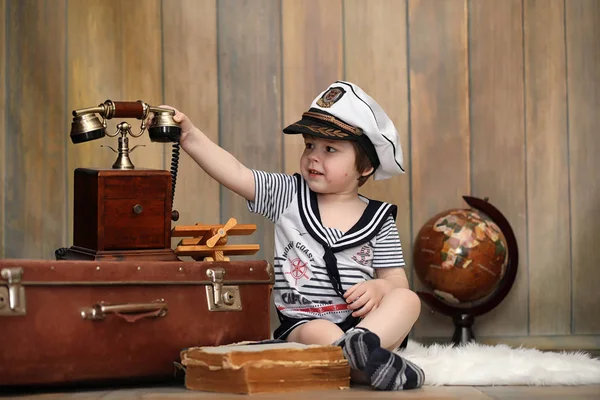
318,331
397,312
394,318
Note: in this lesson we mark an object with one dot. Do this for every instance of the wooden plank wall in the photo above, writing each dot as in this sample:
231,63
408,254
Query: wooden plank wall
491,99
250,99
2,127
35,126
189,35
498,137
547,154
312,58
583,80
439,120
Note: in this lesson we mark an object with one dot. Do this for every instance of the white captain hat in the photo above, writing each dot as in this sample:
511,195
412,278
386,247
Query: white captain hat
345,112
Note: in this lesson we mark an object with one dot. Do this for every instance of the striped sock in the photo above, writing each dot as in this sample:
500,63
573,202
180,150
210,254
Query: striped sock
389,371
357,345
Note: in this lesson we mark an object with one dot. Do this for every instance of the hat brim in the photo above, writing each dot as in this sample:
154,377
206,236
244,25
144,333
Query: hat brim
320,129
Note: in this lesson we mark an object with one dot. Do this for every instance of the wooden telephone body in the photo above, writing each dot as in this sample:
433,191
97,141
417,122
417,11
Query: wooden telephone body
122,214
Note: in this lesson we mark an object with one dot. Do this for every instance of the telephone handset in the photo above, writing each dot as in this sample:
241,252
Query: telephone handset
162,128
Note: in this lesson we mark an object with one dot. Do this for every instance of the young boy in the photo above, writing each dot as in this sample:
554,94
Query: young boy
329,240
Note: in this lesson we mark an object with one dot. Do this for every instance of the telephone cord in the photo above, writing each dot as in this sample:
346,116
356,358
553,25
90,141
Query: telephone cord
174,166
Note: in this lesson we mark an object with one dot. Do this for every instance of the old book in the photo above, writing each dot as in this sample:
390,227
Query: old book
264,367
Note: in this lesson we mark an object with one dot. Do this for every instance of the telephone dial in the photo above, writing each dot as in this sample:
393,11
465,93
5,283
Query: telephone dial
123,212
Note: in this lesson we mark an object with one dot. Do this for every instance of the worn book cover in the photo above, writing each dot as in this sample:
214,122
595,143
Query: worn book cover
262,367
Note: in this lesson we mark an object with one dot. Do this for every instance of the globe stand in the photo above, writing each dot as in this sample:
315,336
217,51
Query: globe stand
463,316
463,332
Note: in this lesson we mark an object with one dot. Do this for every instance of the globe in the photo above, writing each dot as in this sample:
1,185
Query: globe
460,255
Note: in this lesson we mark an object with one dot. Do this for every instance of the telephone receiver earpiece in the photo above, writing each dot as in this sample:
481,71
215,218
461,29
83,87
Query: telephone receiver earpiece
163,128
87,127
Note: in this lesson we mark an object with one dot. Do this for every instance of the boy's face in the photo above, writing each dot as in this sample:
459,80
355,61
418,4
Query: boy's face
329,166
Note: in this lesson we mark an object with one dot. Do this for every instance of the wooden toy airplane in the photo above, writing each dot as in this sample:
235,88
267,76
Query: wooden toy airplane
209,242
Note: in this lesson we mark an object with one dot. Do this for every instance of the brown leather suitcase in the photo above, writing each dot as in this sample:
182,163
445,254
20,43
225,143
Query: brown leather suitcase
86,321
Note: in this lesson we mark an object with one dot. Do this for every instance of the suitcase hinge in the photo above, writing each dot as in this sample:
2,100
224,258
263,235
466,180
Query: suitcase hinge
12,294
220,297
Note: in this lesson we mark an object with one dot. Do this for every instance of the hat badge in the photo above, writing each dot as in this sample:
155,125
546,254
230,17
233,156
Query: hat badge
330,97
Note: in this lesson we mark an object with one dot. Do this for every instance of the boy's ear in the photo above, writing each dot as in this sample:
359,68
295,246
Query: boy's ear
367,172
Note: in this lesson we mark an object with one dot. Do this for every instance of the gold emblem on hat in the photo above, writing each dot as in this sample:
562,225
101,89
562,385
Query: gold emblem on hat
330,97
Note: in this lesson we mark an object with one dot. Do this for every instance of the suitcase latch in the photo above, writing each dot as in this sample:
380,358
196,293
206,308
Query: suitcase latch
12,294
221,297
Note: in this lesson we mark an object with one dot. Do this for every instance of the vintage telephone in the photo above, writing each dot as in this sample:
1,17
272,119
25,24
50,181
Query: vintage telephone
123,212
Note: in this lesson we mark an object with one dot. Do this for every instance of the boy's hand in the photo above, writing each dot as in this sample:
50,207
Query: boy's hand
365,296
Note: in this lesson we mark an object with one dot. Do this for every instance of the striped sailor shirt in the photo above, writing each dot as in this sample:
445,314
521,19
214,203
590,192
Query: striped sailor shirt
304,287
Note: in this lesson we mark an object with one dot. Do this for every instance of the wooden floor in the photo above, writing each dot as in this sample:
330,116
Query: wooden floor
175,392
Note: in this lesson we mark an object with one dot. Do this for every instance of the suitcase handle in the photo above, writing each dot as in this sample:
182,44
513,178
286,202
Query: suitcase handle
130,312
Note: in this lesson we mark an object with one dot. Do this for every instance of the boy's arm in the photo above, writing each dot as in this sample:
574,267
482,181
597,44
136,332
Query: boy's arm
396,277
219,164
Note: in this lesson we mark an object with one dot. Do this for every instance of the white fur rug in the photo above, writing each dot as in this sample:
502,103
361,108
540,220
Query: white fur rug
483,365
